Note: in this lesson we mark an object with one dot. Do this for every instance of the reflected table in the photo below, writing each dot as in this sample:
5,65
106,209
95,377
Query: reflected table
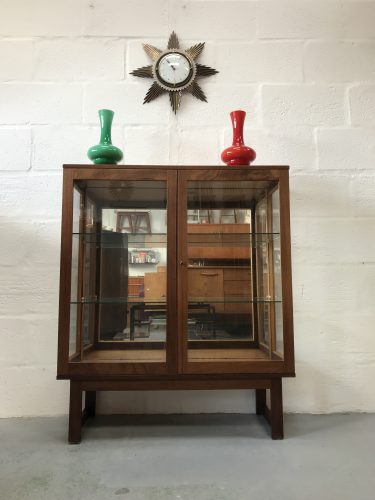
202,312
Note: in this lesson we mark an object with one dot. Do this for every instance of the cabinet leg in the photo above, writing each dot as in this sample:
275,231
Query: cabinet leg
276,416
90,403
260,401
75,412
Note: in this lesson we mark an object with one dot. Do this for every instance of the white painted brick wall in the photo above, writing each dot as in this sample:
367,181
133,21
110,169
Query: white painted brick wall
304,19
339,61
346,149
206,141
54,145
24,103
195,113
259,61
304,105
15,158
79,59
21,51
362,105
151,151
126,99
197,18
359,19
125,18
292,145
303,70
21,18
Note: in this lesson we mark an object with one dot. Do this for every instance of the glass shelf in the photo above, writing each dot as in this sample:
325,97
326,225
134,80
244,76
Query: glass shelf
201,240
204,267
123,240
191,235
118,300
218,233
230,240
232,300
113,235
228,237
195,300
106,233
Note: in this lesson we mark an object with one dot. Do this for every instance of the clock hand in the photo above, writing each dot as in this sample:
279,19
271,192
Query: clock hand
171,65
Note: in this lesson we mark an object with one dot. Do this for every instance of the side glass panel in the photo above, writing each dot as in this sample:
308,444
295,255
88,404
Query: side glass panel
276,258
270,315
74,347
263,292
230,246
121,304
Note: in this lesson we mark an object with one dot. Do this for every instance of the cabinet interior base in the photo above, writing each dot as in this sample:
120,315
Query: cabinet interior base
159,355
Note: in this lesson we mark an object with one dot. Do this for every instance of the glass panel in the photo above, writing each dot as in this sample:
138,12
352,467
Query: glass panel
221,250
73,347
122,237
82,321
264,323
276,257
261,226
73,344
279,345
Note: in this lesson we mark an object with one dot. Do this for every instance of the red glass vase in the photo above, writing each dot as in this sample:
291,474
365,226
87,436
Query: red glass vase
238,153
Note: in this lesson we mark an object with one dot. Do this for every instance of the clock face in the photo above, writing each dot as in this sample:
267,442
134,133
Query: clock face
174,70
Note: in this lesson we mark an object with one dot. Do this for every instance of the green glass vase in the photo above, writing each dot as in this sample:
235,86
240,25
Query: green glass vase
105,152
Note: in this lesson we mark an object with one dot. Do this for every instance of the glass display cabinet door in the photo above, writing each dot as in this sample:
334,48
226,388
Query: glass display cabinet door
231,292
121,303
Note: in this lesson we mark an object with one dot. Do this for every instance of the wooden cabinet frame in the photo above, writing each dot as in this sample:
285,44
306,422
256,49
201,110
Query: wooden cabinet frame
177,371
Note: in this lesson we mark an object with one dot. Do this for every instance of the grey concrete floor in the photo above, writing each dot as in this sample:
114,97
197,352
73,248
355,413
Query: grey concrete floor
200,457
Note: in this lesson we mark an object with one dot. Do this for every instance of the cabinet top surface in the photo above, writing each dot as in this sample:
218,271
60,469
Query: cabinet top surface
179,167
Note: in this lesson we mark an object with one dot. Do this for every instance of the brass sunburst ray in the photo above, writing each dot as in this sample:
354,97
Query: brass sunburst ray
152,51
195,50
153,92
196,90
173,42
175,99
144,72
203,70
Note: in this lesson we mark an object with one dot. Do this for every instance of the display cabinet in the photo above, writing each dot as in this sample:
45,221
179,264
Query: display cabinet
175,278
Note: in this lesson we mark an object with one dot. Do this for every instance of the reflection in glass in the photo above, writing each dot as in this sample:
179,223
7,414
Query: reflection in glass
219,277
73,332
233,250
120,253
263,271
279,340
276,257
219,252
264,323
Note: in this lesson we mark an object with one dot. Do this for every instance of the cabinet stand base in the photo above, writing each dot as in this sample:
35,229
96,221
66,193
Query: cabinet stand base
274,414
77,416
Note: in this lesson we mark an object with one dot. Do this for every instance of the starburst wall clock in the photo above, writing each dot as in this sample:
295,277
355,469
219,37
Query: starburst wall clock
175,71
